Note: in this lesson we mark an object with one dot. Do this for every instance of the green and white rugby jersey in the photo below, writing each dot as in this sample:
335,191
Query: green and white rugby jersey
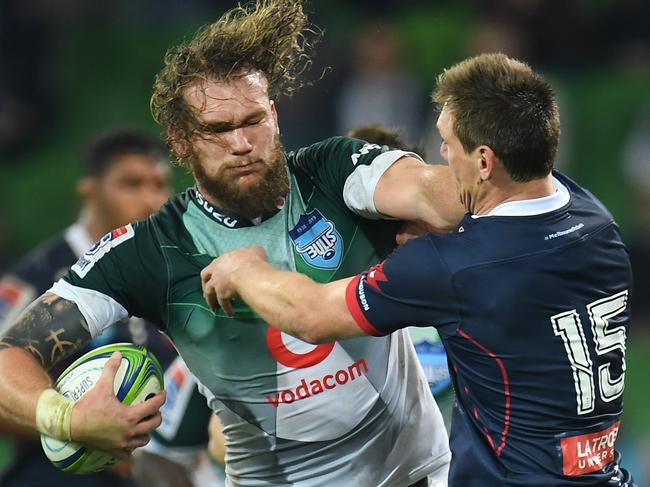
352,413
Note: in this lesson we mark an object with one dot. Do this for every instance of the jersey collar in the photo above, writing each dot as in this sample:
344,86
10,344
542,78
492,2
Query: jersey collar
78,239
536,206
224,219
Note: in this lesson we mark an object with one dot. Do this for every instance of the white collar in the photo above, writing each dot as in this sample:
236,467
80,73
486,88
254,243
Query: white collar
535,206
78,238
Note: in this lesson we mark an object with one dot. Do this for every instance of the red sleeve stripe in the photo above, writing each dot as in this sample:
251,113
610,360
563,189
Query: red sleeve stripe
355,310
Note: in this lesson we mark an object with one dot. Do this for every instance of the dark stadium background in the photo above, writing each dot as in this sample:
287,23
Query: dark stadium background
70,68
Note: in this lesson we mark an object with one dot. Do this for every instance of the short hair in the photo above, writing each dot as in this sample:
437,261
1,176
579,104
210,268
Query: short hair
379,134
502,103
105,148
269,37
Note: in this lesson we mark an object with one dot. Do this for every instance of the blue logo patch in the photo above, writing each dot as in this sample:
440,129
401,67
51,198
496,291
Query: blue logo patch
317,241
434,363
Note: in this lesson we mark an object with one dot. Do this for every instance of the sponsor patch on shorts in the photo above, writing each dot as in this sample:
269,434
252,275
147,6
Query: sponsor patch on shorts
589,452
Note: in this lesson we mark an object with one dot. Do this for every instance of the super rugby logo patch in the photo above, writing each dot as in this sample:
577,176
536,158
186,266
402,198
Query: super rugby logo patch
317,241
101,248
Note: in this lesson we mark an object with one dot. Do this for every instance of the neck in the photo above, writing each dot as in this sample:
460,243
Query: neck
496,194
210,198
93,224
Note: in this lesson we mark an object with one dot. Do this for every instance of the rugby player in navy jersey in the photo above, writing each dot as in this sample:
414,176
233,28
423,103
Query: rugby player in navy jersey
530,293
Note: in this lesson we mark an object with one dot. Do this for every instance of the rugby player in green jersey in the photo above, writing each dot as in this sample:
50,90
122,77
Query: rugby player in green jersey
352,412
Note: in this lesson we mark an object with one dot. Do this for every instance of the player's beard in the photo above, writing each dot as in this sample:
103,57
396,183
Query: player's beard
259,199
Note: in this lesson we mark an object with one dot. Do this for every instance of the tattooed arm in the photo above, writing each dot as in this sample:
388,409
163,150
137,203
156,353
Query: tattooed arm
49,330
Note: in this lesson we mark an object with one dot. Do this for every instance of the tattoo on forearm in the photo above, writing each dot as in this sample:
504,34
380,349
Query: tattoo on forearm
51,328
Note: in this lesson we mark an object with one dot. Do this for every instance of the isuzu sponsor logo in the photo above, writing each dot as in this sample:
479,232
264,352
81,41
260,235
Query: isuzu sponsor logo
210,210
316,386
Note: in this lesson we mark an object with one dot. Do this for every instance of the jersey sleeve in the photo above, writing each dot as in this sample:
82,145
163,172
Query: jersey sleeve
123,273
412,287
349,169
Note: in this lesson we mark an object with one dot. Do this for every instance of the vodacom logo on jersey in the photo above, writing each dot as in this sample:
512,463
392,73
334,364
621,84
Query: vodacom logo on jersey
317,388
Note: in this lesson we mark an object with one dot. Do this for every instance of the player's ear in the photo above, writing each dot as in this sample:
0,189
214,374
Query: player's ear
274,111
87,189
486,160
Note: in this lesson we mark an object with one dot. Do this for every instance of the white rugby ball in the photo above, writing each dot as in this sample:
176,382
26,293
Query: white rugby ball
138,378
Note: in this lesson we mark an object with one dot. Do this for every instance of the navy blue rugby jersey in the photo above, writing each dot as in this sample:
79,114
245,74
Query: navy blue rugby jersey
532,305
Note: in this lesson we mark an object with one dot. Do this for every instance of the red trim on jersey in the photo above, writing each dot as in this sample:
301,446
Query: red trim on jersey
506,392
355,310
118,232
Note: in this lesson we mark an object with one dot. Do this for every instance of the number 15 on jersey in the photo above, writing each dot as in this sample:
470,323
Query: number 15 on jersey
568,326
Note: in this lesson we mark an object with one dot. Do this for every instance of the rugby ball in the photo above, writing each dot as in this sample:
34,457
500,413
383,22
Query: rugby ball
138,378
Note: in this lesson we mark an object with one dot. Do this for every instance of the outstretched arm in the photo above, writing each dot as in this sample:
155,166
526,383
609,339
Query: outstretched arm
49,330
288,301
412,190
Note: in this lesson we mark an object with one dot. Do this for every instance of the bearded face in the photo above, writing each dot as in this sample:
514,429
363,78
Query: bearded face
236,155
248,199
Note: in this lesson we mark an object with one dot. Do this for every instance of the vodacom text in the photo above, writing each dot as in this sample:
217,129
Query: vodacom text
316,386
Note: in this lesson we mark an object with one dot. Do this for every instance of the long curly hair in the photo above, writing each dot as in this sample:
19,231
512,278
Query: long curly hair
273,37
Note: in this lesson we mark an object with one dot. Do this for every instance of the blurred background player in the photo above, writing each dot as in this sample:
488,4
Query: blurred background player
190,436
126,178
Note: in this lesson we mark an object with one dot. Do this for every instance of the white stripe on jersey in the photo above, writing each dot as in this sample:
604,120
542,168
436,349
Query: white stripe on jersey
100,311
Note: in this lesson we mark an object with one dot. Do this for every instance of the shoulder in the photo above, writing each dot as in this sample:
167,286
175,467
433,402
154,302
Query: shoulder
167,225
342,150
583,200
42,264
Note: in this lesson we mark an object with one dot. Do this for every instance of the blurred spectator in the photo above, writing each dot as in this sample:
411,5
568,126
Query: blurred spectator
3,240
26,87
379,89
549,30
637,170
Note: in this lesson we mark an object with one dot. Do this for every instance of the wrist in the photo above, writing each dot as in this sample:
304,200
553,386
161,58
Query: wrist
249,267
54,414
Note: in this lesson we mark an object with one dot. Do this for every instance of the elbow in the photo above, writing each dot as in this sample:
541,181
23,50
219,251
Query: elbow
316,336
310,331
